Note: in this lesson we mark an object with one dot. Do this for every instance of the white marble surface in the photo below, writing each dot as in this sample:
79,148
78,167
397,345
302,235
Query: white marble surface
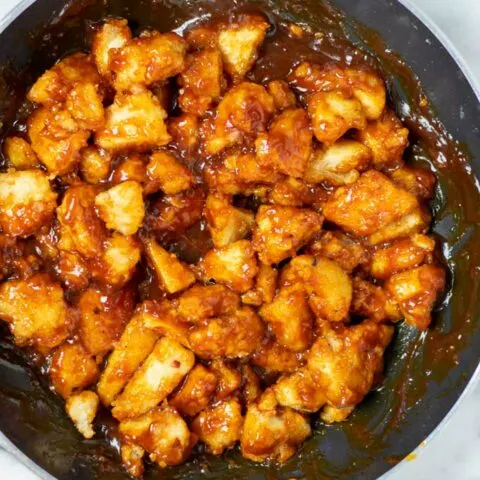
453,452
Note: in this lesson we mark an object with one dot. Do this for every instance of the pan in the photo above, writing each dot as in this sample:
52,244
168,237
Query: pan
425,374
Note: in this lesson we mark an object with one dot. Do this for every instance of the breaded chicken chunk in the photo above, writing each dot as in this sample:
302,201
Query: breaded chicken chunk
85,104
82,408
95,164
251,387
372,202
81,230
239,42
19,153
196,392
226,223
339,163
401,255
219,426
287,146
56,138
149,59
72,270
201,82
229,378
121,207
165,367
290,318
132,458
35,310
281,231
131,167
162,433
273,357
271,432
245,109
72,369
265,286
292,192
346,361
418,181
205,301
173,275
233,336
184,131
103,317
281,94
134,120
234,265
112,35
166,173
27,202
129,352
416,291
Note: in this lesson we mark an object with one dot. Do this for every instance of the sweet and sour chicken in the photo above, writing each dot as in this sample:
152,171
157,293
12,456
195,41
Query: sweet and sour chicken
217,267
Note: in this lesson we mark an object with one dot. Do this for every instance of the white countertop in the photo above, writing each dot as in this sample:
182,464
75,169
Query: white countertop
453,452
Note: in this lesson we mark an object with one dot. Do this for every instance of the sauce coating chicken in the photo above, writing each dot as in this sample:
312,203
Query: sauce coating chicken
210,257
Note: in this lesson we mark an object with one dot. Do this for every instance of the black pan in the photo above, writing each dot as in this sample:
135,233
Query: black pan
425,374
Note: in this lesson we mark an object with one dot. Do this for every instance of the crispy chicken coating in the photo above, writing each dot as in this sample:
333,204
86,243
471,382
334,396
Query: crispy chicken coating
95,165
121,207
184,130
19,153
229,378
134,120
82,409
273,357
226,223
265,286
345,361
292,192
72,270
234,265
418,181
239,42
154,380
132,167
271,432
146,60
27,202
282,96
251,387
219,426
231,336
281,231
416,291
35,310
166,173
72,369
162,433
132,458
85,104
287,146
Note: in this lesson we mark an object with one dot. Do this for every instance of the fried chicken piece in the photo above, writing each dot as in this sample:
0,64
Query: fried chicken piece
245,109
265,287
162,433
345,361
56,138
154,380
35,310
27,202
290,318
202,81
418,181
121,207
85,104
239,42
19,153
82,409
81,230
281,231
416,291
72,270
172,274
196,392
292,192
112,35
331,414
340,248
184,130
387,139
227,224
149,59
287,146
205,301
273,357
72,369
55,84
219,426
338,164
233,336
134,120
234,265
401,255
132,458
251,387
103,316
282,96
166,173
129,352
132,167
95,165
271,432
369,204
